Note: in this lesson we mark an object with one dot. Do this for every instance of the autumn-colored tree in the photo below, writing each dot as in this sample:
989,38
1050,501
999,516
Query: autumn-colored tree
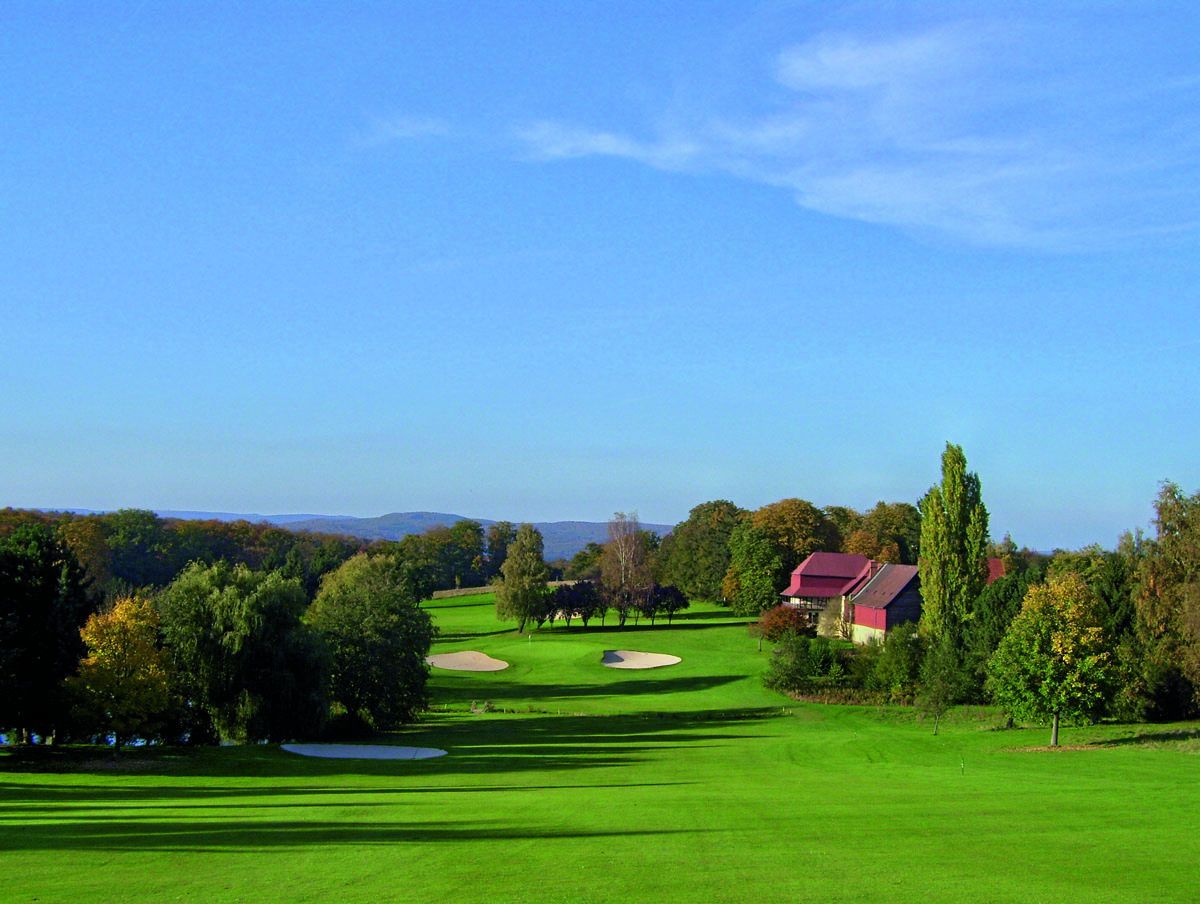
954,537
897,529
796,528
844,518
867,543
1053,663
85,538
122,686
782,619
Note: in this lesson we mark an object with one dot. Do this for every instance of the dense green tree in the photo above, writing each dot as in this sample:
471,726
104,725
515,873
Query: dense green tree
499,537
897,667
895,528
44,601
581,600
750,584
243,658
1053,663
523,578
954,540
585,564
465,553
993,611
944,680
696,552
1167,605
145,552
378,637
122,686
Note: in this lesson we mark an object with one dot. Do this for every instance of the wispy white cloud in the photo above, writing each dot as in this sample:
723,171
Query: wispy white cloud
382,130
554,141
962,130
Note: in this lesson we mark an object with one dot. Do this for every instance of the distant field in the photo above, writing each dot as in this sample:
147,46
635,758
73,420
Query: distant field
688,783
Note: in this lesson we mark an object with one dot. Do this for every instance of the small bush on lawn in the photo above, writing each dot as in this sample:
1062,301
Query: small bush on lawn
774,623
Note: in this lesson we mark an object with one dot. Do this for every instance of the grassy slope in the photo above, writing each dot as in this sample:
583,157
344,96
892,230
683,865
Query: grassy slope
685,783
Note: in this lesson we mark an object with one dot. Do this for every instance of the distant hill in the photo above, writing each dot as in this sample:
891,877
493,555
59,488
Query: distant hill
562,538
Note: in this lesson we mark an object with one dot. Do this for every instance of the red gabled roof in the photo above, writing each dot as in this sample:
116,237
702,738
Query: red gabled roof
887,584
828,574
995,570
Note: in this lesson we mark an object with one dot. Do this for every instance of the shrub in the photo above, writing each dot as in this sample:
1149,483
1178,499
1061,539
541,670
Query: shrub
776,622
803,664
897,670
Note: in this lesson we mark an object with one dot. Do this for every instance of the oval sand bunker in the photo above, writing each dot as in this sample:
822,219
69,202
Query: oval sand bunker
363,751
466,661
632,659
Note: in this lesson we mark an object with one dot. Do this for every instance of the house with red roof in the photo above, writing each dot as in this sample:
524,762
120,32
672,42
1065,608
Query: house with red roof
824,577
874,597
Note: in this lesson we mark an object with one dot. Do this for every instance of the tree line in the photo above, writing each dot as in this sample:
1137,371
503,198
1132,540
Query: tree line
126,624
1073,636
622,576
132,549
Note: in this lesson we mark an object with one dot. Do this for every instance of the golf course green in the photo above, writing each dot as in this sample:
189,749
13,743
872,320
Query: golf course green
569,781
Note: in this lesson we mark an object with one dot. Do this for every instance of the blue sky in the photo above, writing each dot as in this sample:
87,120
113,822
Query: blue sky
546,261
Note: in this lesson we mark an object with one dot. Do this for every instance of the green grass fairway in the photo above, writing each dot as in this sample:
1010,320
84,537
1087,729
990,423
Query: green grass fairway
685,783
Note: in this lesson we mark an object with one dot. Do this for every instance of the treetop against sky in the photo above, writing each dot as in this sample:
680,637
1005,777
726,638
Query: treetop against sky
544,261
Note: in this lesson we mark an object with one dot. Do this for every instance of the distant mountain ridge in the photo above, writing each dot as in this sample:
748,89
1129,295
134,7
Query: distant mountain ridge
562,539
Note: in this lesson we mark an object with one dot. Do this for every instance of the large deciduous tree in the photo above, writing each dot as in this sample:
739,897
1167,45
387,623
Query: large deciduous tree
44,601
1167,600
750,586
523,578
954,542
499,537
696,552
1053,664
625,567
378,637
122,685
796,528
241,654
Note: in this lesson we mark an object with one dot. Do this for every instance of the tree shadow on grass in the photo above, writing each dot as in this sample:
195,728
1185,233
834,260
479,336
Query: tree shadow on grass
263,835
444,636
488,745
460,690
1151,738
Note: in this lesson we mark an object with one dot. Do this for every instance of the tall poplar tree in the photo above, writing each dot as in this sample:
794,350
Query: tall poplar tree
954,538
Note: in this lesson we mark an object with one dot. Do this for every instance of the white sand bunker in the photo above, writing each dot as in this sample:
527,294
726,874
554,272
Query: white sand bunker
466,661
363,751
632,659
